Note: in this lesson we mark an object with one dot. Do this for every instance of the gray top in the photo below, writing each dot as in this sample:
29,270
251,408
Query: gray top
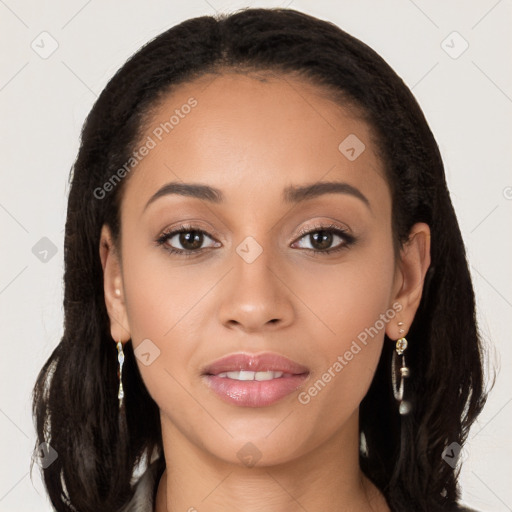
145,490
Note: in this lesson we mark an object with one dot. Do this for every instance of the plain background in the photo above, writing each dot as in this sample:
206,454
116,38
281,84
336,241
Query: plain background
466,94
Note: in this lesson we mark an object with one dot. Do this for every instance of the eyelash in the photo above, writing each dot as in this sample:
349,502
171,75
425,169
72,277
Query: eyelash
187,228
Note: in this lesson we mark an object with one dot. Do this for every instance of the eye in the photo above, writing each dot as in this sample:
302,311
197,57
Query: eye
190,238
321,239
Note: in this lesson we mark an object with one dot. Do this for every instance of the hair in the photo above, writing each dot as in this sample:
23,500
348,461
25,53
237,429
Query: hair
75,401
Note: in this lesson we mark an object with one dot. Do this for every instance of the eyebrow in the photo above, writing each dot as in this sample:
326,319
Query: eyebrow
291,194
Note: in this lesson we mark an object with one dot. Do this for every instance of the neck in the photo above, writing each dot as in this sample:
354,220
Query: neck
322,479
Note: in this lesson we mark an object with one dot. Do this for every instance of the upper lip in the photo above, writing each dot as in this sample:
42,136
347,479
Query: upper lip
256,363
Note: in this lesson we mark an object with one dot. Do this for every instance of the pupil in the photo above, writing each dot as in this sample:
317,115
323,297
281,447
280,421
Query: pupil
325,239
191,240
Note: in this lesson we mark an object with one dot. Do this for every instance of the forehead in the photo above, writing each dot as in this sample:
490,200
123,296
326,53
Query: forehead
252,135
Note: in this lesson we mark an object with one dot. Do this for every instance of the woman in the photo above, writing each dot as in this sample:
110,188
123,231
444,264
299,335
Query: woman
267,300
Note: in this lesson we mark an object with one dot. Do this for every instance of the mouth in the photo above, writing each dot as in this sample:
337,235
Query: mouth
246,375
250,380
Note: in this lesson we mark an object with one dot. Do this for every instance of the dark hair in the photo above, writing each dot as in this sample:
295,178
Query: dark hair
75,397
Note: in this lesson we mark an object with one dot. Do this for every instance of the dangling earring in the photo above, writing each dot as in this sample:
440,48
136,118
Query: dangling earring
120,358
404,406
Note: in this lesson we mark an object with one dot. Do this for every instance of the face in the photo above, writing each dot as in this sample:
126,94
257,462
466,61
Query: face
299,286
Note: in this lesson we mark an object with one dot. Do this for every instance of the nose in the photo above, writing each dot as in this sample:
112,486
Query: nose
256,296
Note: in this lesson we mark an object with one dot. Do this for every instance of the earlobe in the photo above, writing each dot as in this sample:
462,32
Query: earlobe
113,287
413,265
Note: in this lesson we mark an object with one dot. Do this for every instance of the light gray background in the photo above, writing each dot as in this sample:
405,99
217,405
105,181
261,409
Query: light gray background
467,101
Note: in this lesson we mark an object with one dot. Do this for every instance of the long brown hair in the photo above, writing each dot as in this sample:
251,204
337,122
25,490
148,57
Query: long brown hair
75,397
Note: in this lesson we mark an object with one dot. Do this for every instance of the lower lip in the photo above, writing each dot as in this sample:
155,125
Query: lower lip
253,393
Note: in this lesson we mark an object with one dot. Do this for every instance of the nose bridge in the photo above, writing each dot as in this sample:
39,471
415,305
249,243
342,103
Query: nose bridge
256,295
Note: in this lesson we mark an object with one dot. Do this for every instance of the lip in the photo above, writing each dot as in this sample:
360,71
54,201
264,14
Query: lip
267,361
253,393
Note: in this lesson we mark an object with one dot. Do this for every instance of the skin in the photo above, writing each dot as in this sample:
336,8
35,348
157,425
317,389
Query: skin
251,137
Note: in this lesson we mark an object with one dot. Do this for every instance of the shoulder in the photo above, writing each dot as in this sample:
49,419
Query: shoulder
143,499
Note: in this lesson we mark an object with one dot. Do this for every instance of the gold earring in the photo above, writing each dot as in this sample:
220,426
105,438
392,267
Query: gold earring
404,406
120,358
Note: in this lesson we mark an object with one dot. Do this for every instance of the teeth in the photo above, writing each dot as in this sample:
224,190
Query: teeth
267,375
248,375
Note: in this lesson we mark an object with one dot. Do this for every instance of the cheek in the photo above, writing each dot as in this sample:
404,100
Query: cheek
353,304
350,297
164,318
161,296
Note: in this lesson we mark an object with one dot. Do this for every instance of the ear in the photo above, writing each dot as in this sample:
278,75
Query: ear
410,274
113,287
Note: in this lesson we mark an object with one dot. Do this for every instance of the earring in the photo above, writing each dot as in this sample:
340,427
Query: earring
120,358
404,406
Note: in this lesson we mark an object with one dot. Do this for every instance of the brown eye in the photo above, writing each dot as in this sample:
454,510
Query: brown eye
322,238
191,240
186,240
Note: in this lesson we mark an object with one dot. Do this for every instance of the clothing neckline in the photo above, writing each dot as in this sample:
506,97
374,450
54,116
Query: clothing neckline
146,487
